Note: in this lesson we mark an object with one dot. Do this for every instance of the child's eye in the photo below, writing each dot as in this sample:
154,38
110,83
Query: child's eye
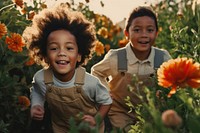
150,30
136,30
70,48
52,48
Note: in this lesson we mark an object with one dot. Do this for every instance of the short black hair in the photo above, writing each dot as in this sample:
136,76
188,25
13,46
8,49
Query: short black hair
140,12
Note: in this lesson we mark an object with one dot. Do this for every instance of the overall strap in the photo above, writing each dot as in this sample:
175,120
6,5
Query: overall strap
158,58
80,76
122,60
48,76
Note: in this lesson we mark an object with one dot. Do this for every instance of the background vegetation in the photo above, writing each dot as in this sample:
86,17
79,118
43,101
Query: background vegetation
179,34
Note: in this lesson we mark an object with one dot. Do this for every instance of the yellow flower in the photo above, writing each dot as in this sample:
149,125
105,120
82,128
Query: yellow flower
19,3
171,119
3,30
24,102
103,32
180,72
15,42
99,48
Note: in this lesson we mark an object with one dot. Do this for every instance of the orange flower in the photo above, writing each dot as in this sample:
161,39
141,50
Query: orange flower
19,3
103,32
123,42
43,5
180,72
31,14
3,30
23,10
24,102
30,62
99,48
15,42
107,47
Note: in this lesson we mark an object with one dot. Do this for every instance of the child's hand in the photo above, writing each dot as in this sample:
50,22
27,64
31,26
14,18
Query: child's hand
89,119
37,112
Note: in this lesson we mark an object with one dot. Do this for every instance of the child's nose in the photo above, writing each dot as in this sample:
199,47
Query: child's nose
144,33
62,53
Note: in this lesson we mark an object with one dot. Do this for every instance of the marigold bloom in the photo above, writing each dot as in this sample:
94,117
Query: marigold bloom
24,102
103,32
99,48
30,62
123,42
107,47
31,14
171,119
3,30
15,42
43,5
180,72
19,3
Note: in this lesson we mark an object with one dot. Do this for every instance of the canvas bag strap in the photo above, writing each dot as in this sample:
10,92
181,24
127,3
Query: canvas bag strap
122,60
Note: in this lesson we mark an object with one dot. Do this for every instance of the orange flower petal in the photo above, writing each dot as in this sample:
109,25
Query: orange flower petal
3,30
99,48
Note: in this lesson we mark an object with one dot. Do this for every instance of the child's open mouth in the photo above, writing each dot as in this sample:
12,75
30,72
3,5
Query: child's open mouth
62,62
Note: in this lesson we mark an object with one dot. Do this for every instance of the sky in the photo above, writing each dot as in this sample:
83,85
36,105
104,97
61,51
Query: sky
116,10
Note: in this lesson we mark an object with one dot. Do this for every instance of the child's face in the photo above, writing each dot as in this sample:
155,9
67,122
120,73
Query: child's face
62,54
142,33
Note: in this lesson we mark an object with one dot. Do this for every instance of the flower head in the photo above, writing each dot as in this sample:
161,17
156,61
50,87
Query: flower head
107,47
30,62
19,3
31,15
24,102
180,72
123,42
3,30
103,32
171,119
99,48
15,42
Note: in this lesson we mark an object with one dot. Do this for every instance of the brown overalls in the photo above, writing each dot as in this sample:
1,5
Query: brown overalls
65,103
118,114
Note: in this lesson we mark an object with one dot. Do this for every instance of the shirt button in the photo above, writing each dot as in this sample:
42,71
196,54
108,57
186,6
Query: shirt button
50,90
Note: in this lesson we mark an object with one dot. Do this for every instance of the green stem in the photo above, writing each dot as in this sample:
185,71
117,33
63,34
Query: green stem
6,7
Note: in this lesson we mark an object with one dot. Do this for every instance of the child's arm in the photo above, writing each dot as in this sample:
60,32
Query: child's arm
103,110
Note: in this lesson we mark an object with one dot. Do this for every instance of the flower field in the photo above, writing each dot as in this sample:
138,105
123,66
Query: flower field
173,103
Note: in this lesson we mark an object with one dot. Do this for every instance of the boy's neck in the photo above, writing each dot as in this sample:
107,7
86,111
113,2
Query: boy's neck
141,55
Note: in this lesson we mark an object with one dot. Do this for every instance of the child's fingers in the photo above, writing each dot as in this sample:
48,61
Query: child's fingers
37,112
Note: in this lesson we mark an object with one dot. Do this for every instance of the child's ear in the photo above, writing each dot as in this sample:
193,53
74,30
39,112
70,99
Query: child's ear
79,58
126,33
